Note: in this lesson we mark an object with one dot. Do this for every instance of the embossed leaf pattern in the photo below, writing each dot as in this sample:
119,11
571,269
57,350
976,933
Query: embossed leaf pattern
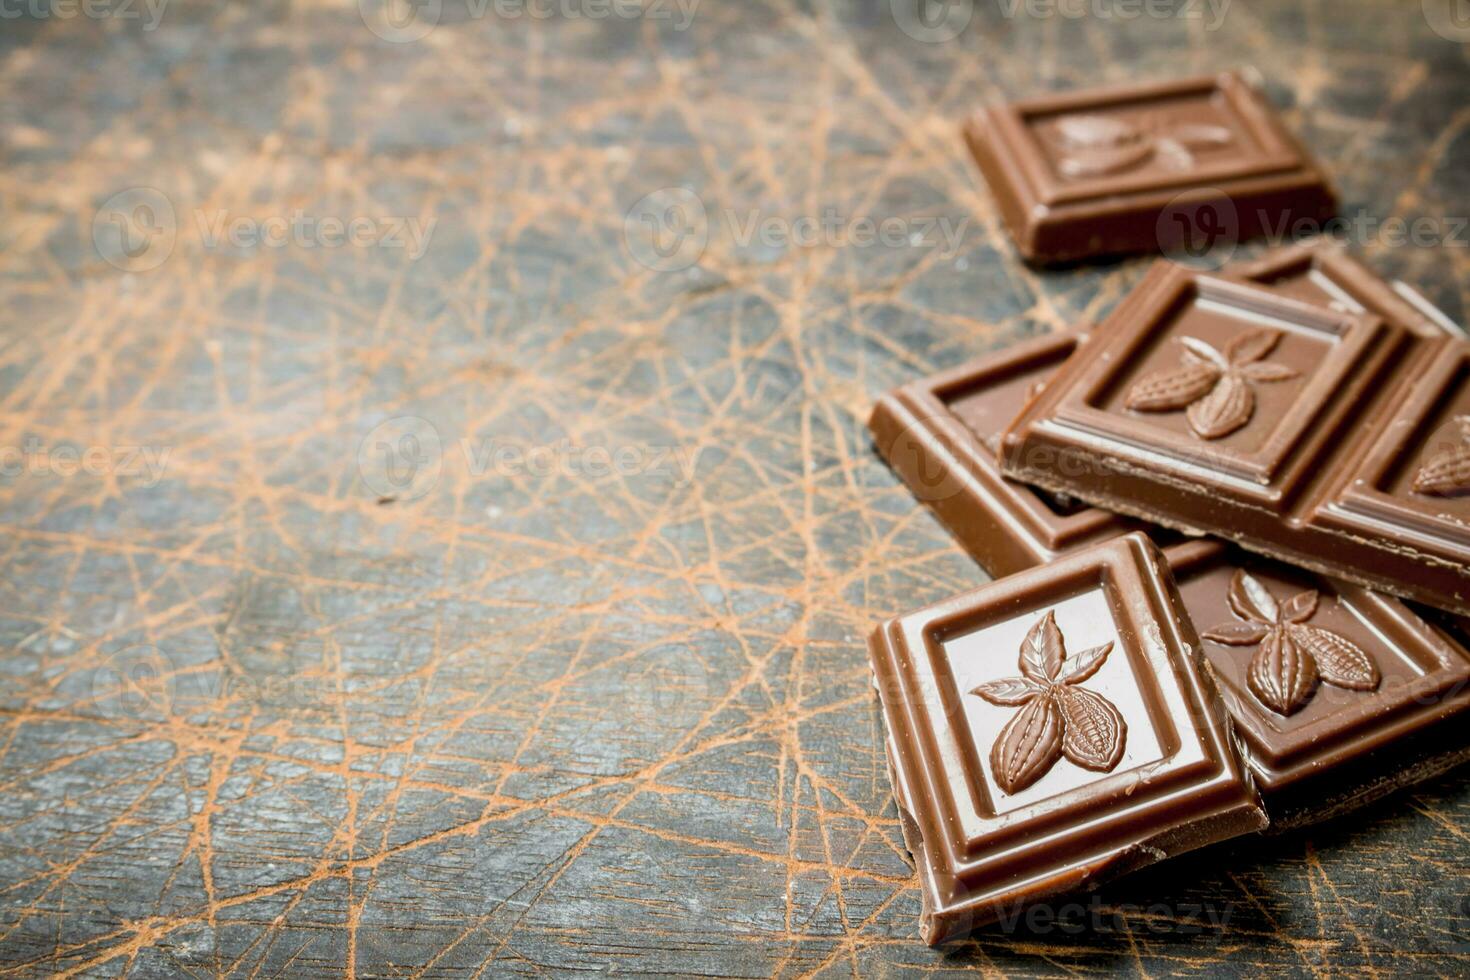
1251,600
1089,131
1056,718
1041,648
1252,345
1085,664
1098,145
1292,656
1447,474
1238,634
1009,691
1213,387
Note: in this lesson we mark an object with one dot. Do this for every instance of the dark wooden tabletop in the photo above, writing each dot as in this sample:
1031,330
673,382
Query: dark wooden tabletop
438,522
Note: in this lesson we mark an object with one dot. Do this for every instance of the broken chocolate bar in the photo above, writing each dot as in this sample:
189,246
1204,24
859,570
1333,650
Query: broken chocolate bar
1053,729
1145,167
1326,439
1339,746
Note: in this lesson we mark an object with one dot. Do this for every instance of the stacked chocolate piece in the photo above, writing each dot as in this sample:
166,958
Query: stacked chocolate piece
1230,528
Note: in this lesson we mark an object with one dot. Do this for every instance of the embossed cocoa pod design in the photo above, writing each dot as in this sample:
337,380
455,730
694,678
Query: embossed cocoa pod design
1448,473
1213,388
1281,675
1057,717
1028,746
1172,389
1292,656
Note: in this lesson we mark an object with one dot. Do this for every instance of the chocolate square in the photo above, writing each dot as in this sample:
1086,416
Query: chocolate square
1285,358
1260,440
1052,729
1104,171
1389,701
1415,478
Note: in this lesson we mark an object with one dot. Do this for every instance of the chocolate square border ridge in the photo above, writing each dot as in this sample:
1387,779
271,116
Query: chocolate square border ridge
1198,794
1113,215
1348,285
1271,473
1364,505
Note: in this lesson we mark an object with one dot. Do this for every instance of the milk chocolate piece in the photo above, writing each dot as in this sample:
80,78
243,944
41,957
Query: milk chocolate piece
1340,695
1343,747
1053,729
1144,167
941,435
1325,275
1323,439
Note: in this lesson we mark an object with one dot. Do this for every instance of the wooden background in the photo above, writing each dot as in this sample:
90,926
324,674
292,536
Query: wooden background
330,644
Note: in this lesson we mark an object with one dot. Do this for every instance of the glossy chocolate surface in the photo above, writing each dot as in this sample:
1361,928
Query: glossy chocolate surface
1343,748
1144,167
1298,431
1052,729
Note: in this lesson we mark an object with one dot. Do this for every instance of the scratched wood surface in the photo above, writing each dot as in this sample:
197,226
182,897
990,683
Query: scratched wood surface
486,594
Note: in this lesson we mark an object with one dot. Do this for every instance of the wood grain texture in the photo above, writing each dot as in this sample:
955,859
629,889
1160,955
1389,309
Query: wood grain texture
264,714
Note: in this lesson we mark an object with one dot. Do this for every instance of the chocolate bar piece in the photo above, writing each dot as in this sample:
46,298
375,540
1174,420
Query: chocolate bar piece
1325,275
1144,167
1053,729
1340,695
941,436
1324,439
1352,747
